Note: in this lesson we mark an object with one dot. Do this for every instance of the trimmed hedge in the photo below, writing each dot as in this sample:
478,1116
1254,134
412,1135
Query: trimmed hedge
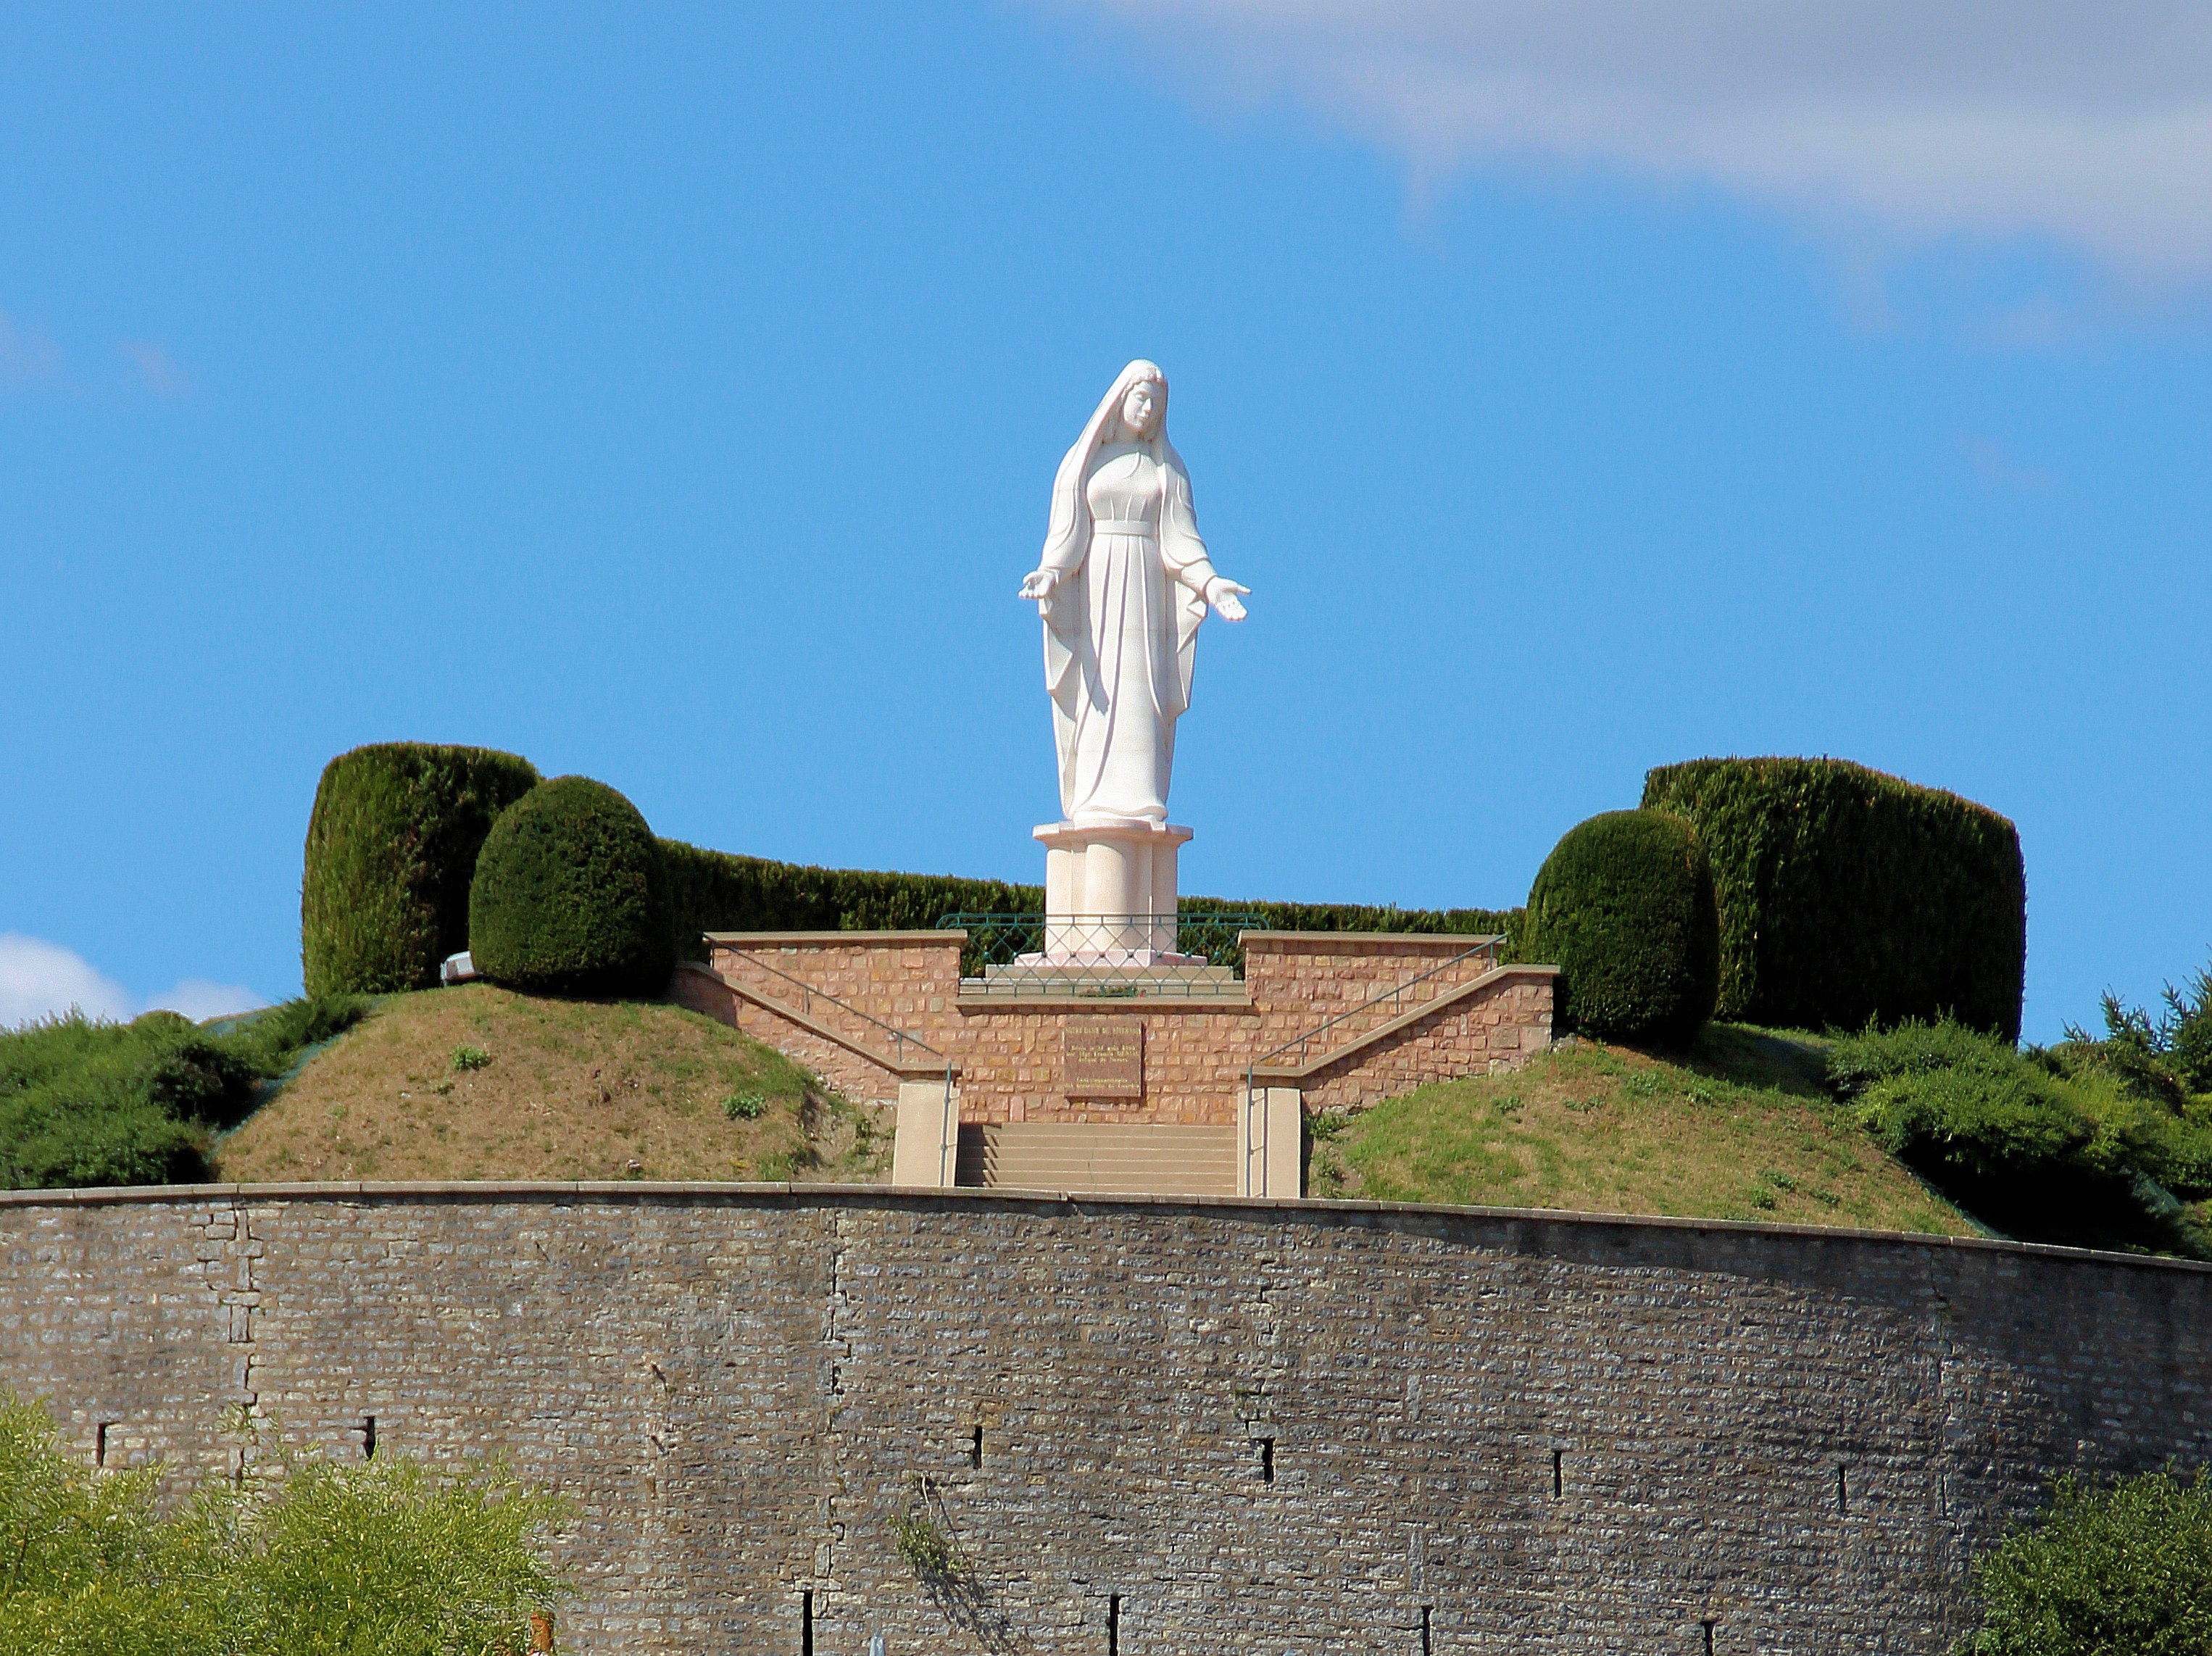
571,896
1369,917
391,845
718,891
1849,897
1624,906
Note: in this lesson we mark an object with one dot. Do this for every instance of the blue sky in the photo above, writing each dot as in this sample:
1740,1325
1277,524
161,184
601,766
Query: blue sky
674,398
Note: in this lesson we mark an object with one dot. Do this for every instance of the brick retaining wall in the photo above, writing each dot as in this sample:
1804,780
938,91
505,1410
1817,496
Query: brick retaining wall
1196,1052
1546,1434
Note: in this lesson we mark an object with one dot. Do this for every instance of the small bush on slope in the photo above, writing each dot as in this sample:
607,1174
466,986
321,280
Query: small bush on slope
381,1559
2046,1155
83,1103
2124,1570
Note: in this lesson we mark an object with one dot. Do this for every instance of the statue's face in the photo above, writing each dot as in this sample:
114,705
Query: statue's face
1141,409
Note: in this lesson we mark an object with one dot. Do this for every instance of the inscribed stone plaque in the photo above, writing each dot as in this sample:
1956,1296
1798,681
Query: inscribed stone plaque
1103,1058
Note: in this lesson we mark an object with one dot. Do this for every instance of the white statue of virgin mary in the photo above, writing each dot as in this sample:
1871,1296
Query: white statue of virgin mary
1122,585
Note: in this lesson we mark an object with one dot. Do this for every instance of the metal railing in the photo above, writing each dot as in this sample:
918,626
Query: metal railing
948,1124
1393,994
809,994
1108,956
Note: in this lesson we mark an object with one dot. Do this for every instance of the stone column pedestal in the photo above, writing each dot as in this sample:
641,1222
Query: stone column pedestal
1109,893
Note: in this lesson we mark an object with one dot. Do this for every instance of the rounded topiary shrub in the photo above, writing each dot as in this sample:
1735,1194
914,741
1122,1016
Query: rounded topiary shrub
570,896
392,846
1624,906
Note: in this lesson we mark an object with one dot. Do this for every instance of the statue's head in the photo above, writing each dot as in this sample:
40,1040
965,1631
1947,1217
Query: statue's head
1136,410
1144,406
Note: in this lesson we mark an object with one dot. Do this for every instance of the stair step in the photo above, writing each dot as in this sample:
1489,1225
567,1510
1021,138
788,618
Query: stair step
1159,1160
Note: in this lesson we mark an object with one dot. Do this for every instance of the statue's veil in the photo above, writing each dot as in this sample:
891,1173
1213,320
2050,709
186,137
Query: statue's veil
1067,539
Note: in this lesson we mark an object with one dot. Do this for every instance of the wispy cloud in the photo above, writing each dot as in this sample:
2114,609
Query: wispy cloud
2090,125
40,979
1996,468
28,357
156,367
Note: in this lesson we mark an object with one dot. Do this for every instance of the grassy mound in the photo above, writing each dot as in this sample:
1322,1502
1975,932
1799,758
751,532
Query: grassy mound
1739,1128
480,1083
1926,1127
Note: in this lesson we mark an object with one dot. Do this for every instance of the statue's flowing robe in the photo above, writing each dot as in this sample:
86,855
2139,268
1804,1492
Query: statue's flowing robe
1122,619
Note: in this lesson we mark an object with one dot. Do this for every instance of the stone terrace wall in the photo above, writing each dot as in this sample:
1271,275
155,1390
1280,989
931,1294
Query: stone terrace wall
1303,978
1534,1433
1496,1027
1196,1053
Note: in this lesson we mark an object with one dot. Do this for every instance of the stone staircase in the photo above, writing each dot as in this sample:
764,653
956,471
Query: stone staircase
1158,1160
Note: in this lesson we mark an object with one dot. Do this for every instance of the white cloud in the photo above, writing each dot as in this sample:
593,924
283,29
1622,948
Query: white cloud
2089,125
39,979
200,1000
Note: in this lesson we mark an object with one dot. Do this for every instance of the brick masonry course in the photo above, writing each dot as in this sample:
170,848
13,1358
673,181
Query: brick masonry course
1196,1053
1541,1433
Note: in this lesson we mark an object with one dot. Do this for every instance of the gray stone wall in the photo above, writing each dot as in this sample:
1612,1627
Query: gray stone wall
1222,1426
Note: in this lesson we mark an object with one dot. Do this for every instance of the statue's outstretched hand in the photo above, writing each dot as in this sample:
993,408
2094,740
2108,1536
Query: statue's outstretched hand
1038,584
1222,595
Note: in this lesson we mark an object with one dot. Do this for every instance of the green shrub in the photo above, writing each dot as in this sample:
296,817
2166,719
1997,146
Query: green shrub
1623,907
2132,1068
1856,1063
2171,1052
86,1104
383,1557
1968,1128
1847,896
276,1035
571,896
2124,1569
391,847
2029,1147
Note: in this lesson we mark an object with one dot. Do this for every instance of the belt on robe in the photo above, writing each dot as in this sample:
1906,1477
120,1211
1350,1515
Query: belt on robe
1142,530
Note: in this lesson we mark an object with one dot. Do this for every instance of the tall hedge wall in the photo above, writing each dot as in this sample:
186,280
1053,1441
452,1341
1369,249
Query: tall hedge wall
717,891
720,891
1369,917
391,845
1847,896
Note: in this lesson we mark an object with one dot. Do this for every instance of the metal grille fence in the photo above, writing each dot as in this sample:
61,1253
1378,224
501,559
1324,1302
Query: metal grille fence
1107,956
